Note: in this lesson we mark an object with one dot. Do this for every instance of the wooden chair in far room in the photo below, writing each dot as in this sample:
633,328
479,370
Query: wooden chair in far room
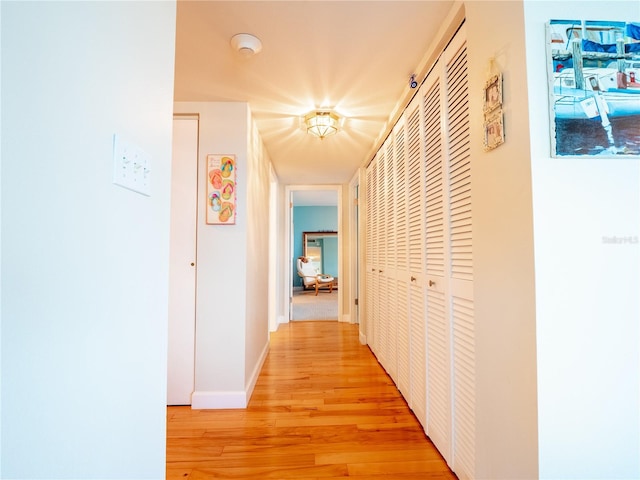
312,278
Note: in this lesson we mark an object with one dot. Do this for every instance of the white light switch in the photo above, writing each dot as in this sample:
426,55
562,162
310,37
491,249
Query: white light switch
131,166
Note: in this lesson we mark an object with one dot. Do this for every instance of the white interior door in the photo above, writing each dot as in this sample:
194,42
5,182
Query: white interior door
182,266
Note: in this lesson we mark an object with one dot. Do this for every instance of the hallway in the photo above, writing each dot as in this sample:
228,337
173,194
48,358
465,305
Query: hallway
322,408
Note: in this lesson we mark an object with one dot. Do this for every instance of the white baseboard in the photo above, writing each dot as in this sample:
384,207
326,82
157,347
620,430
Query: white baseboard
282,319
218,400
237,399
363,338
346,317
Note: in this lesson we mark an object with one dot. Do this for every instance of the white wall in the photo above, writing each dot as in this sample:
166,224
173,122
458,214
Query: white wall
282,263
0,253
504,297
587,290
84,262
0,256
231,305
258,248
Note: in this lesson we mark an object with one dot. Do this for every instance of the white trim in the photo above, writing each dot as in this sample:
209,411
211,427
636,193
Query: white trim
357,263
355,246
363,338
218,400
346,318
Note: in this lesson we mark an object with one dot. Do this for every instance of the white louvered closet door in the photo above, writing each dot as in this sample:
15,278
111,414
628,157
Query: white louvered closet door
389,265
458,173
438,361
401,313
369,253
417,331
380,283
449,262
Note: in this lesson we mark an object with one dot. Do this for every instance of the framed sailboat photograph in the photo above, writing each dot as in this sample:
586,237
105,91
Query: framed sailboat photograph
594,88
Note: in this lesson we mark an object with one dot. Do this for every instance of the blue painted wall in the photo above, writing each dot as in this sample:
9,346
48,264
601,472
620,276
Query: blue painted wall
330,256
314,219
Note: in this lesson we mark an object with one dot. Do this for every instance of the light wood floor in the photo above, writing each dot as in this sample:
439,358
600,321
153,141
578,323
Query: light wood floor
322,408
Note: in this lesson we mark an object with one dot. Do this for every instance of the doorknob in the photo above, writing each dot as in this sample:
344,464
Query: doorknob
193,264
431,283
413,279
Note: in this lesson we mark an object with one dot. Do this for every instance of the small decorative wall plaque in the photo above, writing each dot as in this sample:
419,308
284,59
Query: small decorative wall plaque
493,93
493,117
493,129
221,189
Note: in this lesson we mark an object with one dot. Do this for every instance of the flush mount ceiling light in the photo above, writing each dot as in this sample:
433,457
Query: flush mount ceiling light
321,123
246,44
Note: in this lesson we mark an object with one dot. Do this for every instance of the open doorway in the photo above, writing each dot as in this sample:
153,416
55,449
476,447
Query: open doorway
315,289
314,232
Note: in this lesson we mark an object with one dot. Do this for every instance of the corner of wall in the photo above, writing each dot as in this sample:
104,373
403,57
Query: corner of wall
253,378
503,255
211,400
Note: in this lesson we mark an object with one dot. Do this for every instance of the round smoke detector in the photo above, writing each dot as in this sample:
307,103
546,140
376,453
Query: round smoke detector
246,44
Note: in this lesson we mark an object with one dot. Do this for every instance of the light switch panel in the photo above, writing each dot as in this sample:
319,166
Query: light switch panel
131,166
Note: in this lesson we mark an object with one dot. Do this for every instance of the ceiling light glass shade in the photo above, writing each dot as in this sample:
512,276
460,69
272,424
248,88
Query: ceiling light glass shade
321,124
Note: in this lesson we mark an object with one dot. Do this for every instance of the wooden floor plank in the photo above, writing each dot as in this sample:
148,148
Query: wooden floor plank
322,408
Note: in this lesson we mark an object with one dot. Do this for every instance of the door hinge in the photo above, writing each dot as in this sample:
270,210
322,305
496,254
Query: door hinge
356,302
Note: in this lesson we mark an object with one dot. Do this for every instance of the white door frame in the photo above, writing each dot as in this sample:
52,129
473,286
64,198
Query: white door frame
356,247
287,277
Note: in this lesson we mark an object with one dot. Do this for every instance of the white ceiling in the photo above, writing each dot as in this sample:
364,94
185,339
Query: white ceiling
355,57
